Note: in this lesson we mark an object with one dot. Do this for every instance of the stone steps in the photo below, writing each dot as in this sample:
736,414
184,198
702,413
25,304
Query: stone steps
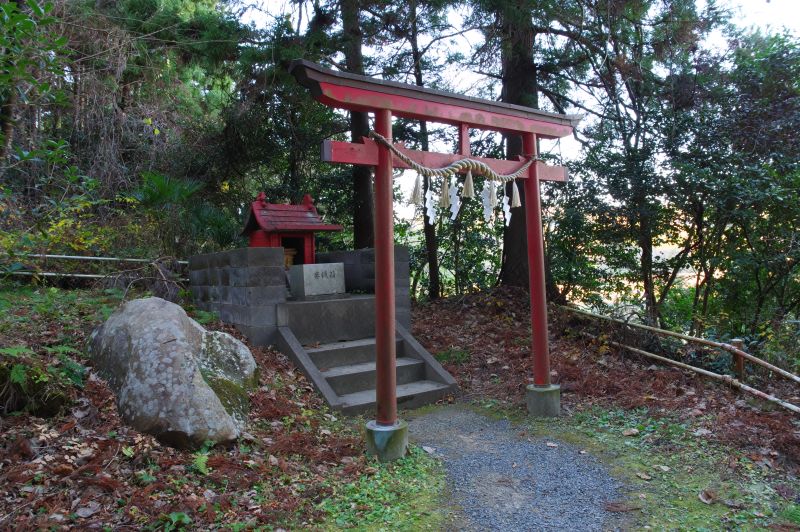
410,395
354,378
342,353
331,342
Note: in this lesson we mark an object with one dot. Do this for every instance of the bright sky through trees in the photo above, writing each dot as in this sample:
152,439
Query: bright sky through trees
765,14
769,16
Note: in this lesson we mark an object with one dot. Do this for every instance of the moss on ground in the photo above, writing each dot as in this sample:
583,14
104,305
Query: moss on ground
402,495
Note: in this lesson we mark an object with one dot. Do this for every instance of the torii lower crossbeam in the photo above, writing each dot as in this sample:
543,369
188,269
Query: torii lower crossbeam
387,436
365,153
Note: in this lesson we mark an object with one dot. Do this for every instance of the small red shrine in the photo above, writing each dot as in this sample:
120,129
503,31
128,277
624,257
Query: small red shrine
289,226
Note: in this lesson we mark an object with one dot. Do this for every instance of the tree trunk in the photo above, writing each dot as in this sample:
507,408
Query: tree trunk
706,299
363,203
700,230
519,87
8,107
7,123
295,178
644,239
646,269
431,244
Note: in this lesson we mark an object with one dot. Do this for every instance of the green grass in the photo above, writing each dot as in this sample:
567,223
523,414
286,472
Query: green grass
792,514
42,331
453,355
403,495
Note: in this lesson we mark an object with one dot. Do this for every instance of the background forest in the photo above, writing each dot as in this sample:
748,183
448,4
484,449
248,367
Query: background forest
143,128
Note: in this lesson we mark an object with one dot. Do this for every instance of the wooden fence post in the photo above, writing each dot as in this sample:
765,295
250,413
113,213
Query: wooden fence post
738,360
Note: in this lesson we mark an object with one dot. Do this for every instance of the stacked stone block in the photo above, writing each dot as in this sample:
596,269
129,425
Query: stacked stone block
359,276
243,286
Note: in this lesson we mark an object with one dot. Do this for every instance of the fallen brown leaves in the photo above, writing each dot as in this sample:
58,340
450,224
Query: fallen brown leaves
84,468
494,328
621,506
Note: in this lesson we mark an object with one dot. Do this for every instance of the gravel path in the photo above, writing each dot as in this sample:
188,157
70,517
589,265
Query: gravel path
502,480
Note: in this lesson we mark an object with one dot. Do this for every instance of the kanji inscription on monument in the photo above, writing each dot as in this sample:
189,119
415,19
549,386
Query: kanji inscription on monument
316,279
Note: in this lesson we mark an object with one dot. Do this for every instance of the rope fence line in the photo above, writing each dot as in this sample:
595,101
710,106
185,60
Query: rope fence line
56,274
107,259
702,341
710,374
25,273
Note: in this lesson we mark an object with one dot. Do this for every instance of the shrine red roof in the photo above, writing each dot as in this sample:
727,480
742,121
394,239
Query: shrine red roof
277,218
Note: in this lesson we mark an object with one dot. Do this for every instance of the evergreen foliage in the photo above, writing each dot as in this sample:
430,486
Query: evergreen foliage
144,127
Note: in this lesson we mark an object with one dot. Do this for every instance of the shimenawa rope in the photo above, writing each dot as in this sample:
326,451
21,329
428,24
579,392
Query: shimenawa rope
457,167
470,165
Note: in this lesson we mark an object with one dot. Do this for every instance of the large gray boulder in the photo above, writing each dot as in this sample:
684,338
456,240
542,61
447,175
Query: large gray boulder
172,378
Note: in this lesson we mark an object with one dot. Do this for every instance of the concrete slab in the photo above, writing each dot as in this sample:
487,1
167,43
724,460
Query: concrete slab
198,262
243,257
257,276
326,321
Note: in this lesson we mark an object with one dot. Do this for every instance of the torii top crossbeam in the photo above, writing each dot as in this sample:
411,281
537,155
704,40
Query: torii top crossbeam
386,99
360,93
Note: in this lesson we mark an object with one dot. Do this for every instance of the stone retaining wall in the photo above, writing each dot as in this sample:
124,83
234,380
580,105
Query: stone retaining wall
243,286
359,276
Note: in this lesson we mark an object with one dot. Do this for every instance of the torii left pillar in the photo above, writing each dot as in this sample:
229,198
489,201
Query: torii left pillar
387,436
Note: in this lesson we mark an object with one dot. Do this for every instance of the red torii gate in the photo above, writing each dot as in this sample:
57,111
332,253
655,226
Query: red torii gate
384,99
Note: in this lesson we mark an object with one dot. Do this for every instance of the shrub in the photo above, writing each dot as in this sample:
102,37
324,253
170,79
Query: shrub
36,384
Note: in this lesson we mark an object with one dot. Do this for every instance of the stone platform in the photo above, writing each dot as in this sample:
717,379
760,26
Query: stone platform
330,339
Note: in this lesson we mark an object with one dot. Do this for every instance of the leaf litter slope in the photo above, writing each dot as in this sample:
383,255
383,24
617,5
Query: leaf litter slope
83,468
483,340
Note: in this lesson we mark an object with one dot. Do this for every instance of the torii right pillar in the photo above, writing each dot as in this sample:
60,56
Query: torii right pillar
542,397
